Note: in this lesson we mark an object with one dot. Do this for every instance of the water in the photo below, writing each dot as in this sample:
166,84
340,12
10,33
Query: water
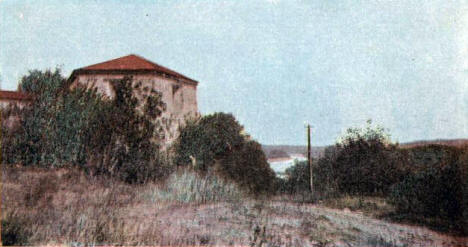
280,166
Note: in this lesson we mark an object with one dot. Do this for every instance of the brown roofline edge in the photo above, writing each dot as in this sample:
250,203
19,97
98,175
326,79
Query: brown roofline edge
15,95
78,72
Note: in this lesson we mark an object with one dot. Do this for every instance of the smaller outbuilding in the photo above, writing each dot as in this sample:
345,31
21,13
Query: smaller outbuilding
11,101
8,98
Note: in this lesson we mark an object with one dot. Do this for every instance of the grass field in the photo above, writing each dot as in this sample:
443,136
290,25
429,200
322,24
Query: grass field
65,206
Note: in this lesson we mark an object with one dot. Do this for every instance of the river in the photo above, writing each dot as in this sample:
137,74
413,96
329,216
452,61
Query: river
280,165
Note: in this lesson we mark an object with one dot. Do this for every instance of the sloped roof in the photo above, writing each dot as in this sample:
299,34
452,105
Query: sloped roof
14,95
129,63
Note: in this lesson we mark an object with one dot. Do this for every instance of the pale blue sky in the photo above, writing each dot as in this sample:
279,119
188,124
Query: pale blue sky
273,64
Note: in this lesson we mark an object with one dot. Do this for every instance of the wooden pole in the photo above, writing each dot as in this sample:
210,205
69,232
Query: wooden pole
309,159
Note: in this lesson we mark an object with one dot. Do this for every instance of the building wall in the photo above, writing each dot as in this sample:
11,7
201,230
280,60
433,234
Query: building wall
11,119
180,97
4,103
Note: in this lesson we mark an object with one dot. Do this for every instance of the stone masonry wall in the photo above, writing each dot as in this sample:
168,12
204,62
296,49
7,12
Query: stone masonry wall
180,97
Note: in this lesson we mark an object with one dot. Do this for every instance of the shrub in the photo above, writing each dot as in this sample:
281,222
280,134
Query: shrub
298,178
213,137
80,115
435,190
249,168
119,137
324,173
188,186
43,84
56,127
33,144
218,141
129,142
363,162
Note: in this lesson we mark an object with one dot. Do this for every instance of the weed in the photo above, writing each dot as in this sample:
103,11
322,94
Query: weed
187,186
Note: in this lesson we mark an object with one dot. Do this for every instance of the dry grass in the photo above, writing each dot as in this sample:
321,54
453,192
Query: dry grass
185,186
68,207
371,206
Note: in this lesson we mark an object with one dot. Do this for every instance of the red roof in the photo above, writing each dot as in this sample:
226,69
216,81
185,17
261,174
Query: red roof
130,63
14,95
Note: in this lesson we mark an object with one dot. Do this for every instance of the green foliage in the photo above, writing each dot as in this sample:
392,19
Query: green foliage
80,114
128,144
213,137
249,168
324,173
363,162
217,141
60,131
298,178
33,145
434,189
427,185
42,84
371,133
79,127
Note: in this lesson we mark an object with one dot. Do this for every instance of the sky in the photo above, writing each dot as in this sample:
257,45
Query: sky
274,64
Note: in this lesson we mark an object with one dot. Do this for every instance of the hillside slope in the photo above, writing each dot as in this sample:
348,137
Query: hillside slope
68,207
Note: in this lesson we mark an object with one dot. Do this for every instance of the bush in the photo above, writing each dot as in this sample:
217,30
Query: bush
250,169
213,137
33,144
324,173
298,178
119,137
218,141
132,150
436,189
56,128
364,162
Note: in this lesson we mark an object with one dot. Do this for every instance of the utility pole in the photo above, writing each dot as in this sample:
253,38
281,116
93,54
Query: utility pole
309,160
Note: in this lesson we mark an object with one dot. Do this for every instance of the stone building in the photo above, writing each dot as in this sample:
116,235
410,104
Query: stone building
178,91
10,102
9,98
